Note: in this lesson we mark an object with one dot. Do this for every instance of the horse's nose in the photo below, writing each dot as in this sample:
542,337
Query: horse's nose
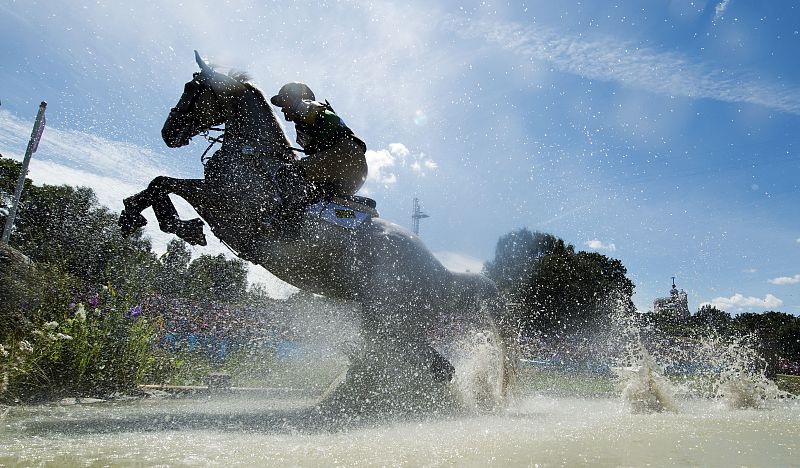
174,132
173,139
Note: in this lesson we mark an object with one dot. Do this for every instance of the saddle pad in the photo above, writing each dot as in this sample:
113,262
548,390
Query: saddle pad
338,214
357,203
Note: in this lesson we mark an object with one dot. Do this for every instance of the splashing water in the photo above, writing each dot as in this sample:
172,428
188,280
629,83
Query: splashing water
640,379
734,372
644,387
478,359
727,369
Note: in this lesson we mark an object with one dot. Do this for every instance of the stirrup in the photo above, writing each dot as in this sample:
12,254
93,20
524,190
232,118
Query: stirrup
129,222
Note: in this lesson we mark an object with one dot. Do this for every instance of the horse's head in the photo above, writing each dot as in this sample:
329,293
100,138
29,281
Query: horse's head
201,106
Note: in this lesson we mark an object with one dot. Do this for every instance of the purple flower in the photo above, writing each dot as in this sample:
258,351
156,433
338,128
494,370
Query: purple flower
135,311
94,301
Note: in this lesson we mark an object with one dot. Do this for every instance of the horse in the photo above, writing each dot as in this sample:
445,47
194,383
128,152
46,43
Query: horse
409,302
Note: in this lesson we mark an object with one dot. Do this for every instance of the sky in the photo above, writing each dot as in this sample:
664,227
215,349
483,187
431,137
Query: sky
660,133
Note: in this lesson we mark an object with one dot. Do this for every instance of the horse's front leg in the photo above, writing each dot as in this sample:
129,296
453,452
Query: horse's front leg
157,195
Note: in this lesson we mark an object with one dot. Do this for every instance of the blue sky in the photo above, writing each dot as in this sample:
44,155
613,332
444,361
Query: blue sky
661,133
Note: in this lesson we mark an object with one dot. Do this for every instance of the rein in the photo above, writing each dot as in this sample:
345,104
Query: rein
212,141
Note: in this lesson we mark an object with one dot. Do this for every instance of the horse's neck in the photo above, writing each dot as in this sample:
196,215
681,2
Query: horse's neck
253,127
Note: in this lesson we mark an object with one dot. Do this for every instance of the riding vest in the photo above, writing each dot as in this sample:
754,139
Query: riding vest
321,128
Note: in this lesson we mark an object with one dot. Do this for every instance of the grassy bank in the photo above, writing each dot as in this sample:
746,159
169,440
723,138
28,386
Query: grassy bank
788,383
557,382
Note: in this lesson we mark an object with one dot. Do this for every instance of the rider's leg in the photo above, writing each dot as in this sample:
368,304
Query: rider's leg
342,167
293,193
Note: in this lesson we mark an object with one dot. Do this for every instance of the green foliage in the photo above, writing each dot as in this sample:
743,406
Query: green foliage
66,226
9,173
172,273
777,334
214,278
555,291
709,317
515,260
84,351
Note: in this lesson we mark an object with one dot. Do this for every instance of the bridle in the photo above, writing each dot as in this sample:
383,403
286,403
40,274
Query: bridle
186,111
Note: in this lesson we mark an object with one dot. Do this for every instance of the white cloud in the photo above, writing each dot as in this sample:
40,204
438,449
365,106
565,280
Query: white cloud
719,10
384,164
399,150
596,244
381,164
739,302
459,262
612,59
86,155
786,280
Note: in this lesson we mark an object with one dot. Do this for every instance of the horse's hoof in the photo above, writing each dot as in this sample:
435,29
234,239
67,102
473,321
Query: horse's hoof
442,371
130,222
192,232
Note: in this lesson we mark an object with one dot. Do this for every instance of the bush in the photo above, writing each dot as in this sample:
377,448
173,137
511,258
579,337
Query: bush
91,349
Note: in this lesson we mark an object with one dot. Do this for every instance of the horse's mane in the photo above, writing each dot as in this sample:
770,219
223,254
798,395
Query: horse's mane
240,75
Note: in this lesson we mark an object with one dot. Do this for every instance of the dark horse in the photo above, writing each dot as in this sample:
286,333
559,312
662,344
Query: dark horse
406,296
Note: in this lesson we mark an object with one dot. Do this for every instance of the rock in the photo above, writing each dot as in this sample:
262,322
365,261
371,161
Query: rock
11,258
15,269
90,401
152,393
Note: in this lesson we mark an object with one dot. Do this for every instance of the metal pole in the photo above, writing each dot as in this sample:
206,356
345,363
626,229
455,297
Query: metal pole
416,215
33,144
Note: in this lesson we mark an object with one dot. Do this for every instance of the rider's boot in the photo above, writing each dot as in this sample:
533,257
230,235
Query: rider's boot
294,192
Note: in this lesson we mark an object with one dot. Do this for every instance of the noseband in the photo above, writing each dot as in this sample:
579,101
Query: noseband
181,111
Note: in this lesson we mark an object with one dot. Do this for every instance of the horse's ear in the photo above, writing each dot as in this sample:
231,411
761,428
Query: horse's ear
204,67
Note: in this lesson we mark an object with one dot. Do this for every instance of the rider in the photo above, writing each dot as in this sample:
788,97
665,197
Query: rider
335,161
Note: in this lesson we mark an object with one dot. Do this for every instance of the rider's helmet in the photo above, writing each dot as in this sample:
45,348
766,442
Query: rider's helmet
290,92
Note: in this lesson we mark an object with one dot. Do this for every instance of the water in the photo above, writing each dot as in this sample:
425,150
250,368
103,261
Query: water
728,414
536,430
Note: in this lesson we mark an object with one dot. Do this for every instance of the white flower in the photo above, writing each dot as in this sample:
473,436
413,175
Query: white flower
25,347
3,351
80,314
51,325
62,336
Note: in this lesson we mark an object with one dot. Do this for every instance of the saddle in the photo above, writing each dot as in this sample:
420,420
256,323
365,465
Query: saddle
349,212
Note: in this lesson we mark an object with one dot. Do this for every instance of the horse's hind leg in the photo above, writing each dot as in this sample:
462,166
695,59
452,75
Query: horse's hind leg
157,195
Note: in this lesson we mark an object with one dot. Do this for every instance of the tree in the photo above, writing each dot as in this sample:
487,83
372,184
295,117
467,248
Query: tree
173,272
557,292
515,257
9,173
217,279
710,317
66,226
777,333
